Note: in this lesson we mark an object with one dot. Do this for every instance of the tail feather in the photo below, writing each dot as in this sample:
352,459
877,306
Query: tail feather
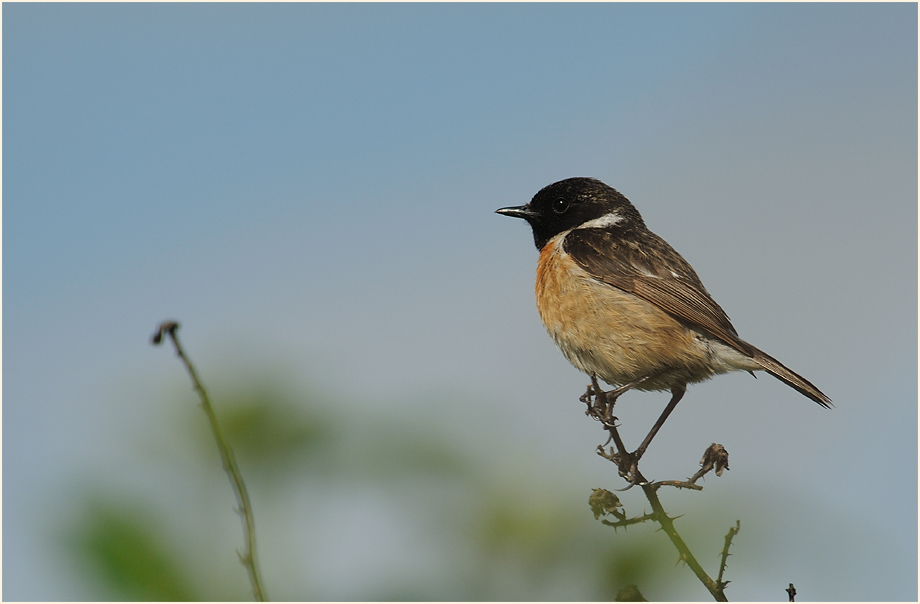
791,378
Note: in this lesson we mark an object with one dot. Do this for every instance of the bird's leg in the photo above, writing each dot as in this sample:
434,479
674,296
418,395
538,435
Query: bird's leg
604,401
677,392
611,396
628,463
602,410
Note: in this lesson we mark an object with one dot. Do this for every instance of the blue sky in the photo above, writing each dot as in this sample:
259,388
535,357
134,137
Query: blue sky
313,185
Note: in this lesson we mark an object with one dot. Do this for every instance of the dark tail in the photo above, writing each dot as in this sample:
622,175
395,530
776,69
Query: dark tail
790,377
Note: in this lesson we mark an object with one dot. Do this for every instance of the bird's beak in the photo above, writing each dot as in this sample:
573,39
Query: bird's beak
518,212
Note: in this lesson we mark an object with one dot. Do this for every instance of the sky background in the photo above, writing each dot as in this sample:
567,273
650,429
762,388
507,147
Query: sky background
309,189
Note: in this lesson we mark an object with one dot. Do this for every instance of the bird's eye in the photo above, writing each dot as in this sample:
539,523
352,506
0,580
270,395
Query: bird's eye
560,205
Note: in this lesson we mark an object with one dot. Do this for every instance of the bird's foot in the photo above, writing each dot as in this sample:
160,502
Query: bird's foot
600,403
628,469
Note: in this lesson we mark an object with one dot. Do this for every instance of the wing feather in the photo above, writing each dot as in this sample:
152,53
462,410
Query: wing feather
655,272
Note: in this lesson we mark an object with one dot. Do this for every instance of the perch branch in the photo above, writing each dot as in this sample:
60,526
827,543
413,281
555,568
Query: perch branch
600,407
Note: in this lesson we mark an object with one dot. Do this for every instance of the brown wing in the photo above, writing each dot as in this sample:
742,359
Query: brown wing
645,265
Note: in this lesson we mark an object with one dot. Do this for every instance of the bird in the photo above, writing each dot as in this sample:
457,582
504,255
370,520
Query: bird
624,306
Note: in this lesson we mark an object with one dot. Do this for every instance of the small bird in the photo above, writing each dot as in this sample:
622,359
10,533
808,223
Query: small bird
624,306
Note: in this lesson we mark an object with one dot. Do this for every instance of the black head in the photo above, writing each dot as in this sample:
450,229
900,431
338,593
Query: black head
571,203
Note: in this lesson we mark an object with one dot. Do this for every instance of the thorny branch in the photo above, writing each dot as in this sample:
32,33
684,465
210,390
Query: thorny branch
603,502
728,543
248,557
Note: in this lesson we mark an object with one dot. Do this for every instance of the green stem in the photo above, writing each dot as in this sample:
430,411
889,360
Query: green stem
667,525
248,557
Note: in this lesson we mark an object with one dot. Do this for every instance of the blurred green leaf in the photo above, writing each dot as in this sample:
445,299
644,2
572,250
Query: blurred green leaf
266,430
532,530
269,429
407,450
128,555
643,562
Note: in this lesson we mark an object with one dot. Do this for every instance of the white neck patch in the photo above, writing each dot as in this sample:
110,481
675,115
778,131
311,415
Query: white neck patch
604,221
